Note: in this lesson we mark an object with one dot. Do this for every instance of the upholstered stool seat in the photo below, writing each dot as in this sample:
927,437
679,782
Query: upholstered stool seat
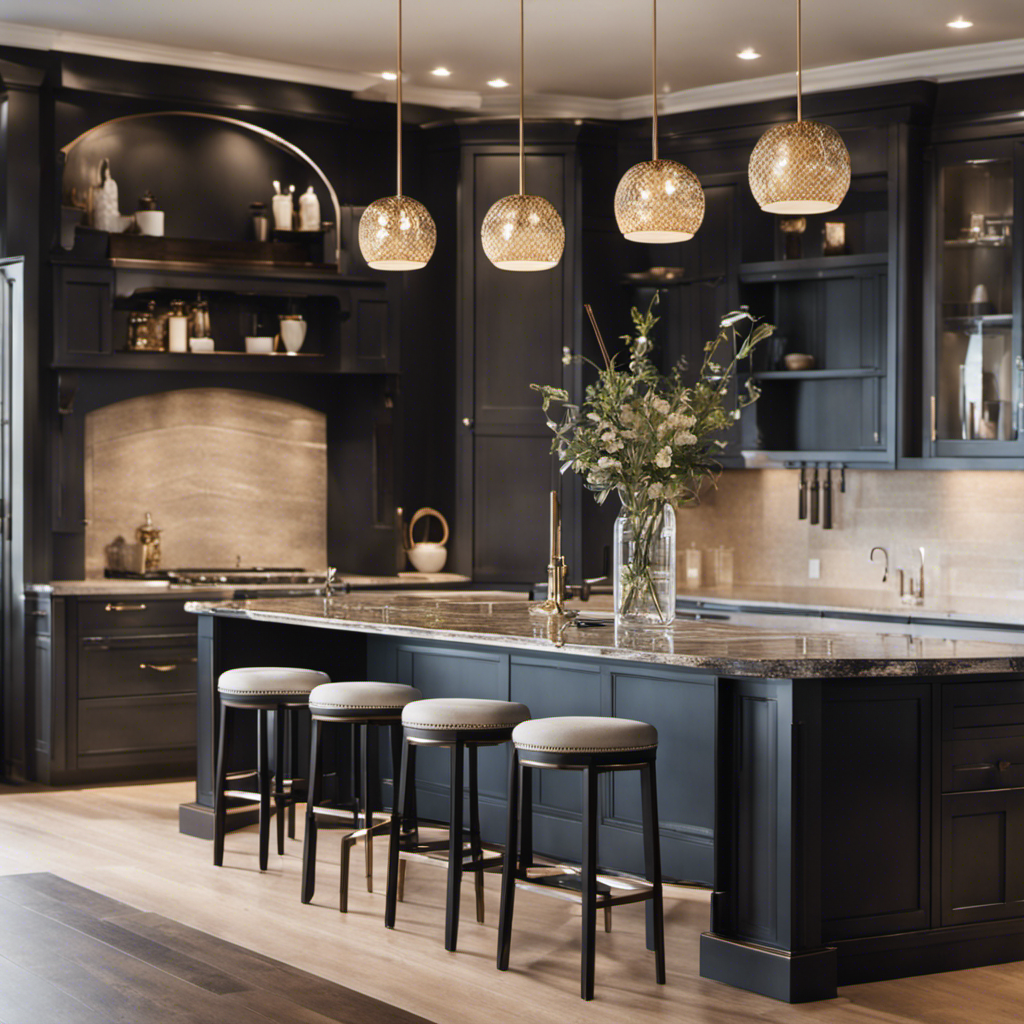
346,700
362,705
591,746
265,684
584,734
464,724
463,713
263,689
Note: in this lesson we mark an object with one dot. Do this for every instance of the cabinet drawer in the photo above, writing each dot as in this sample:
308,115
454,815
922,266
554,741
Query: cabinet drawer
122,726
134,666
982,710
992,763
133,612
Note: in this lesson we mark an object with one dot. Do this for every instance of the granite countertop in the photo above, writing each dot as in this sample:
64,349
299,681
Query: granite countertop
103,586
723,648
884,601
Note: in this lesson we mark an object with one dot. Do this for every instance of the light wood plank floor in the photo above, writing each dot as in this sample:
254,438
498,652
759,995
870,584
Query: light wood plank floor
123,842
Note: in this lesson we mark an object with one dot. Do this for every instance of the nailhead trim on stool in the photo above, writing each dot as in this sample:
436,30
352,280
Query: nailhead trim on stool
463,713
584,734
264,681
361,697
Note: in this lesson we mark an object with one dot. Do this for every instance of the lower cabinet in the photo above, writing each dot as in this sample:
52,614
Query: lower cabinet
680,705
115,688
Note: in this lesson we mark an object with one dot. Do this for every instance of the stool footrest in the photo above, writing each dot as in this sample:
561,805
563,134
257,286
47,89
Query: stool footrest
568,885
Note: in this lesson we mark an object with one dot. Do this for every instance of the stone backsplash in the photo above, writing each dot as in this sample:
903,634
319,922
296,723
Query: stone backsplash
971,525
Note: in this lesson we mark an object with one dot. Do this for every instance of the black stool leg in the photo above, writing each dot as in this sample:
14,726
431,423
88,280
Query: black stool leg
451,924
652,867
405,780
219,800
365,786
475,848
525,820
589,879
410,815
293,761
263,775
315,783
508,869
279,791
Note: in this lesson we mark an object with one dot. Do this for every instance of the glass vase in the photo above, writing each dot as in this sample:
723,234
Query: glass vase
644,569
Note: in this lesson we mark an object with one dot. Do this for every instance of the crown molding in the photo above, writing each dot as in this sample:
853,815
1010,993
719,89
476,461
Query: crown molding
976,60
32,37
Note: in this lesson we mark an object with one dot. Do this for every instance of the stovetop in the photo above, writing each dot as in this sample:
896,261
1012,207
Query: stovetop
196,577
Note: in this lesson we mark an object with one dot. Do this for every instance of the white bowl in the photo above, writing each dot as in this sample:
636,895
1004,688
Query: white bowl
201,344
259,345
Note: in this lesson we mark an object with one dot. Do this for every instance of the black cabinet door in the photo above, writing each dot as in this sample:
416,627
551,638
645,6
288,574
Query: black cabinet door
513,327
82,312
982,853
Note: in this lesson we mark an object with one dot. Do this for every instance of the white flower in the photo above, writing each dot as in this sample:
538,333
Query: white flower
606,462
660,405
611,441
683,438
566,357
663,459
656,491
627,415
630,435
681,419
593,416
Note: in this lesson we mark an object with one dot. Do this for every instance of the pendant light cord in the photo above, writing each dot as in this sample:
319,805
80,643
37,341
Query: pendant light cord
522,89
799,67
398,109
654,78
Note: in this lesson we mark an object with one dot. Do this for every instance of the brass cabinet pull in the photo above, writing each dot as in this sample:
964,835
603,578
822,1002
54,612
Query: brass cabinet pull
124,607
935,432
158,668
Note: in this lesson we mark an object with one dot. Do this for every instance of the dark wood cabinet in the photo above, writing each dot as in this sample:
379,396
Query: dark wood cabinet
115,685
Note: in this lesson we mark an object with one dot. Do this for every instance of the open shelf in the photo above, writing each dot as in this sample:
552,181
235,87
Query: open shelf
771,270
839,374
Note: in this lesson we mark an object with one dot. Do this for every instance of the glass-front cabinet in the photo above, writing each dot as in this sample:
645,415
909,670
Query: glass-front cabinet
975,374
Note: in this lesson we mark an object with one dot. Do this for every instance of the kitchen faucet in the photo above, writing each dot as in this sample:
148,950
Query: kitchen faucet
914,594
871,558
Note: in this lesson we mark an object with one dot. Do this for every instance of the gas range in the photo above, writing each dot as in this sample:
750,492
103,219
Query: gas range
239,576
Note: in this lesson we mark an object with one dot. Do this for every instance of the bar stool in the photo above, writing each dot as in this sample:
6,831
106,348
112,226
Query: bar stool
361,705
463,724
263,690
592,746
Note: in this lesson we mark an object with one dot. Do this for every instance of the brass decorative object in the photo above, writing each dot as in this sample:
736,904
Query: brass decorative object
658,201
397,233
558,571
522,232
800,167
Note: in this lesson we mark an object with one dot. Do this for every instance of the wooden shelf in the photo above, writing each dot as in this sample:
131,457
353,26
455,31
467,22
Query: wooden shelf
795,270
191,362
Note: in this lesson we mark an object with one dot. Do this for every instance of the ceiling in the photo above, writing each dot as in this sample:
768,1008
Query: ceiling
596,50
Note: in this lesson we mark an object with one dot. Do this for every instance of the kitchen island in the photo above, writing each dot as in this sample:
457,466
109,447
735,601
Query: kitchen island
855,799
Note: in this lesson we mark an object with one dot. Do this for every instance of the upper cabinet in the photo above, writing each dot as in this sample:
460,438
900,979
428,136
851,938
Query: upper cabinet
974,363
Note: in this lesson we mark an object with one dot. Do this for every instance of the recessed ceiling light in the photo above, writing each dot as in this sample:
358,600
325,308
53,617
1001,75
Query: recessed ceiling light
748,54
441,72
959,22
498,83
389,76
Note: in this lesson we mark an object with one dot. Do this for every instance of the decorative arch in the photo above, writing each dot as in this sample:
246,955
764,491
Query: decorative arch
264,133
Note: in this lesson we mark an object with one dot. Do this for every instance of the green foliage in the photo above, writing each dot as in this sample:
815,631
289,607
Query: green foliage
649,436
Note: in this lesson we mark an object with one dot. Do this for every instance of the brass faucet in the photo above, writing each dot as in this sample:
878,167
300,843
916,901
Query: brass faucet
871,558
558,570
913,594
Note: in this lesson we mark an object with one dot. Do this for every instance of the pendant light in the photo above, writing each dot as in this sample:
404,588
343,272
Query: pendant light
522,232
658,201
397,233
802,166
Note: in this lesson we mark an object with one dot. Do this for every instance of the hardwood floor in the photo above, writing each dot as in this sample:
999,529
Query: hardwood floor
123,843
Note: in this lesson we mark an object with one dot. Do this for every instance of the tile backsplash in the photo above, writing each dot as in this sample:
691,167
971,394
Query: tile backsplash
971,525
227,474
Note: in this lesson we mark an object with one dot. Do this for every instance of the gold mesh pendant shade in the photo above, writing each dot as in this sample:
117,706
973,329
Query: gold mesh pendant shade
659,201
800,167
397,233
522,232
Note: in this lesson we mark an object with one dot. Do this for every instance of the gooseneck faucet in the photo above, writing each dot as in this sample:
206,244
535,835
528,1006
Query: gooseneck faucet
871,558
558,570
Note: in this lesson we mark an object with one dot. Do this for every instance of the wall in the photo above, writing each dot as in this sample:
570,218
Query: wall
226,474
970,524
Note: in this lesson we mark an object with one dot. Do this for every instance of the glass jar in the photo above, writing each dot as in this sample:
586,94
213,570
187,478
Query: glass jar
644,566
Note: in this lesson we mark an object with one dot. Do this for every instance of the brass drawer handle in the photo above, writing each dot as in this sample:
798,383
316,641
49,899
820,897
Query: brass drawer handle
158,668
124,607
